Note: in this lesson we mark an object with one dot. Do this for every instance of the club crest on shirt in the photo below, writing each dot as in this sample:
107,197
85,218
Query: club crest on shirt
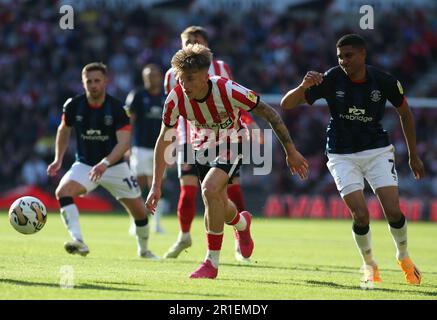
251,96
108,120
223,115
375,95
79,118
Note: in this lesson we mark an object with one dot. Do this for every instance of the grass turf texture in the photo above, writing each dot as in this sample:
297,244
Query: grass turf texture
293,259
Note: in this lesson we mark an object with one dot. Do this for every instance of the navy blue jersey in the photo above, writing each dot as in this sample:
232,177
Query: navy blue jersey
95,127
356,108
147,110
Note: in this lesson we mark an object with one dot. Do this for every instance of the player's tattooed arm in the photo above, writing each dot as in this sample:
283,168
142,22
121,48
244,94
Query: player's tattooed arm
266,112
295,161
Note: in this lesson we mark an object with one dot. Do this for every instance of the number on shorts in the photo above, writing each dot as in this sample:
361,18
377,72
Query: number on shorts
393,166
132,182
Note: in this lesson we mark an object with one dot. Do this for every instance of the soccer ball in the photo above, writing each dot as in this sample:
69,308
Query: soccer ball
27,215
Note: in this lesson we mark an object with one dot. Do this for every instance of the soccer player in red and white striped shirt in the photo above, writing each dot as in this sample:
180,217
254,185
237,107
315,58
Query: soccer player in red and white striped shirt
186,172
214,104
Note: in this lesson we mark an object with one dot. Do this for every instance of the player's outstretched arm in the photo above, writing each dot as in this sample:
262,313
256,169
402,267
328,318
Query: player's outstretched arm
295,161
296,96
159,164
61,145
409,130
123,144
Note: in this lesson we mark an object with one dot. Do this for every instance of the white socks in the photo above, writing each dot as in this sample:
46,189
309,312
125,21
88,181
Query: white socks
184,237
214,257
70,217
241,224
142,238
364,244
400,240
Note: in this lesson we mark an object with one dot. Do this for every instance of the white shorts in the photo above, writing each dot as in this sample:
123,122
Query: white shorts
141,161
118,180
377,166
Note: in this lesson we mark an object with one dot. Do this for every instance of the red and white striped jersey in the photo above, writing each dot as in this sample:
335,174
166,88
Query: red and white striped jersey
217,68
215,117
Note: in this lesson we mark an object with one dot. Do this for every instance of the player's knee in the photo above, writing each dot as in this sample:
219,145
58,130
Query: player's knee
393,214
360,215
62,191
361,219
210,191
135,207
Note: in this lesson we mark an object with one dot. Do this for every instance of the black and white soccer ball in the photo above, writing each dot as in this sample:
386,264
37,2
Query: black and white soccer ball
27,215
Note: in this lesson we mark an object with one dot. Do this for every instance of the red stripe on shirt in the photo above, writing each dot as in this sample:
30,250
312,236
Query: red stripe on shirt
359,81
221,84
181,101
167,114
404,100
245,117
216,67
197,113
242,99
212,108
95,106
127,127
228,71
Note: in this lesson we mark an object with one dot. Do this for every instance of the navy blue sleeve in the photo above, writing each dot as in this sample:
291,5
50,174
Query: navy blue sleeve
120,116
393,90
132,102
68,112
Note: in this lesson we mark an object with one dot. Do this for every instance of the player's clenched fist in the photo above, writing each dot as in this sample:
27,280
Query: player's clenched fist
312,78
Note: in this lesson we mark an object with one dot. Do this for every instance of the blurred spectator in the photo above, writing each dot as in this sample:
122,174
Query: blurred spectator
40,66
34,171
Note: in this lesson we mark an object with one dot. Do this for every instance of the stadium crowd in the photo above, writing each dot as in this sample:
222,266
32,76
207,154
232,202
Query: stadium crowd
40,65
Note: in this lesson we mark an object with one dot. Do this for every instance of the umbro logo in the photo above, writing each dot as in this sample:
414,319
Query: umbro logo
339,94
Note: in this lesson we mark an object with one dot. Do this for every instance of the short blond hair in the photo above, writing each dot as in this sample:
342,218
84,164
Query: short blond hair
95,66
195,31
192,58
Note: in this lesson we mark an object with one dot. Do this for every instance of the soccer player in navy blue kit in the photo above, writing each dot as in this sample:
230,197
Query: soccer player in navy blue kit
103,136
358,147
145,110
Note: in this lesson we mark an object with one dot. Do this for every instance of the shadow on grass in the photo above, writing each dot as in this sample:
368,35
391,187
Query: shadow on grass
105,288
181,293
333,285
312,268
56,285
317,283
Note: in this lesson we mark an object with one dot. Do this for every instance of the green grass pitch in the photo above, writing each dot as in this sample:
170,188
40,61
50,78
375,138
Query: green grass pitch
293,259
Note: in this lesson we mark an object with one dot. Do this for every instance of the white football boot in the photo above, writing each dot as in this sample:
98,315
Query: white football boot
76,247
